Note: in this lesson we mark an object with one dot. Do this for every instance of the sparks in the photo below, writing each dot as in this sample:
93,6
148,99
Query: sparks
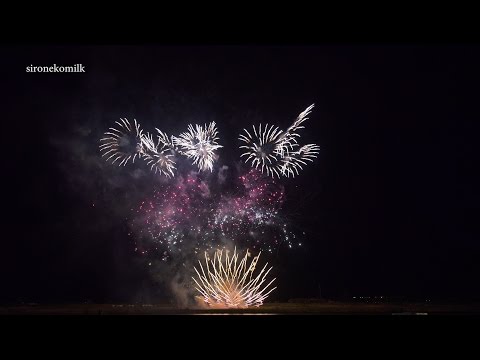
194,212
199,144
159,156
227,283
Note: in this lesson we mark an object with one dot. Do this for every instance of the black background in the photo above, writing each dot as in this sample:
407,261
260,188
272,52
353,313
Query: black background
389,207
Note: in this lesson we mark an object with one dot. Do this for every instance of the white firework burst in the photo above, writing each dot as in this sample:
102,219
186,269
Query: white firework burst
199,143
159,156
276,152
227,283
122,143
260,148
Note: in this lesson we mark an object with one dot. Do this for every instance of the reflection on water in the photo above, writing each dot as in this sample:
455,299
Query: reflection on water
235,314
410,313
401,313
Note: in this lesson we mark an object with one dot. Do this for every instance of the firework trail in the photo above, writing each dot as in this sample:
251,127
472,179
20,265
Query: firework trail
288,139
276,152
199,143
122,143
226,282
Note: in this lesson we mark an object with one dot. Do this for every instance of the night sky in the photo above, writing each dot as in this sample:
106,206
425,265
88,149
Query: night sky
389,207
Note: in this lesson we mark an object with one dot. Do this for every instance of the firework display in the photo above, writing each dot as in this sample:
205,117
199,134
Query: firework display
195,211
225,282
199,144
267,148
276,152
129,142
